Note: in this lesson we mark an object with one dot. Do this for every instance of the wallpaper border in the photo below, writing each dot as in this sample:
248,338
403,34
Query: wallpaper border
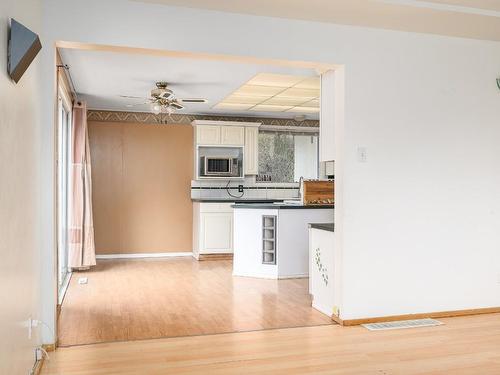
150,118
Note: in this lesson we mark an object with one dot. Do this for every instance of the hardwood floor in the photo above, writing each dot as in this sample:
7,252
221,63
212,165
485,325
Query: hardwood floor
465,345
144,299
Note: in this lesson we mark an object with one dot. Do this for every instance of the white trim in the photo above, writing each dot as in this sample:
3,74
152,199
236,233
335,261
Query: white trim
292,129
271,277
224,123
444,7
256,276
64,287
143,255
298,276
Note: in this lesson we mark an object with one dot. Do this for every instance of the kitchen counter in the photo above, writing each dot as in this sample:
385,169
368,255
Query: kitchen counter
272,240
276,206
323,226
234,200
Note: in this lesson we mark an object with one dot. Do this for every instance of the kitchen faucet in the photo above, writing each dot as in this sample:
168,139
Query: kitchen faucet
299,195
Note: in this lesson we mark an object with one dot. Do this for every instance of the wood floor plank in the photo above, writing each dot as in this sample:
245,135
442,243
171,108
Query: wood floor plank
464,346
143,299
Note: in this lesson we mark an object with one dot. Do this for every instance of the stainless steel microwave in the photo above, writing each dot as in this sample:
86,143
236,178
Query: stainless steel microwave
220,166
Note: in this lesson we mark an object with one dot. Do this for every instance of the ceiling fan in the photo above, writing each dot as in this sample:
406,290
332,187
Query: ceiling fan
163,100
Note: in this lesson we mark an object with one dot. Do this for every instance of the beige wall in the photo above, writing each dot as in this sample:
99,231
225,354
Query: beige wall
141,179
20,129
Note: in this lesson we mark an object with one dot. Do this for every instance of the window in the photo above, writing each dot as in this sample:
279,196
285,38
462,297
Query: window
285,157
63,184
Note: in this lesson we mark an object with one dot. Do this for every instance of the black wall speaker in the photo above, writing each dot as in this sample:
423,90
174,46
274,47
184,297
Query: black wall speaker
24,45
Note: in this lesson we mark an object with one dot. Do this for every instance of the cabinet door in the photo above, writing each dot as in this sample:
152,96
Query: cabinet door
216,233
233,135
251,150
208,135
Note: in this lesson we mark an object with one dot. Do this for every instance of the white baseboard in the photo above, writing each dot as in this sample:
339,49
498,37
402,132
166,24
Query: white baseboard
143,255
270,277
254,275
298,276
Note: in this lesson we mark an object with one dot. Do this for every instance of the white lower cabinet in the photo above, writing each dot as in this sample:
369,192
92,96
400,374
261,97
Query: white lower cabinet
212,228
217,232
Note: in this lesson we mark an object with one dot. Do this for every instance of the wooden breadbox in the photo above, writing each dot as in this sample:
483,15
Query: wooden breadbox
316,192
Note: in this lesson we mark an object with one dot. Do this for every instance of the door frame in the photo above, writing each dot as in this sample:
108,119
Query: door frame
320,68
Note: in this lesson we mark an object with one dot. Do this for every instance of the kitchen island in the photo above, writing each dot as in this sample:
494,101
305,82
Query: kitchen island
322,273
271,240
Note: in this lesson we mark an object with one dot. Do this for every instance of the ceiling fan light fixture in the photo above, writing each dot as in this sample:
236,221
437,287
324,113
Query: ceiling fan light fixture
163,100
156,108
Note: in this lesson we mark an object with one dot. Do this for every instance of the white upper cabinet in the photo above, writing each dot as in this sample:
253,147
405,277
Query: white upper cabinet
232,135
251,151
208,135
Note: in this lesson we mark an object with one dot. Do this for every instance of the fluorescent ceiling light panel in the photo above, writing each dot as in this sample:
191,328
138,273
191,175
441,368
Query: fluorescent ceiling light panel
293,92
270,108
269,92
241,99
309,83
277,100
275,80
311,103
304,110
255,90
233,106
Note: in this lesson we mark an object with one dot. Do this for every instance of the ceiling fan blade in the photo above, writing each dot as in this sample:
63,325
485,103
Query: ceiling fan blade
193,100
132,97
177,106
137,104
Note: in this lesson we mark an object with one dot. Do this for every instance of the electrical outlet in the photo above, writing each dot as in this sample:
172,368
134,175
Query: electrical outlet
240,188
38,354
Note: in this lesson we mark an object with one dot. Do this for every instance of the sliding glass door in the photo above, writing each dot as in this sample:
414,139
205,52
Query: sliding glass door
63,196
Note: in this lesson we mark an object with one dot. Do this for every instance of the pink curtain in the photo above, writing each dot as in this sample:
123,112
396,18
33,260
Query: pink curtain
81,226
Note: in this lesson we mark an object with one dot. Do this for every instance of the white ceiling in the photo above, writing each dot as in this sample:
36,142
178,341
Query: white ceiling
479,19
101,77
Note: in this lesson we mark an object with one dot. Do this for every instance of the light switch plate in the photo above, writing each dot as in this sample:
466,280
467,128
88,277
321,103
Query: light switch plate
362,155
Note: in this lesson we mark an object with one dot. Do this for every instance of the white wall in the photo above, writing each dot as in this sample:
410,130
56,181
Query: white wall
19,183
418,223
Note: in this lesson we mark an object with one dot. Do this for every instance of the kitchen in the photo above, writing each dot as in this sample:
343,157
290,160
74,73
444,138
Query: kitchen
211,203
266,235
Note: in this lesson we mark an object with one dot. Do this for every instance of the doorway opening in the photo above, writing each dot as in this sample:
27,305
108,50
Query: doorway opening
164,232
